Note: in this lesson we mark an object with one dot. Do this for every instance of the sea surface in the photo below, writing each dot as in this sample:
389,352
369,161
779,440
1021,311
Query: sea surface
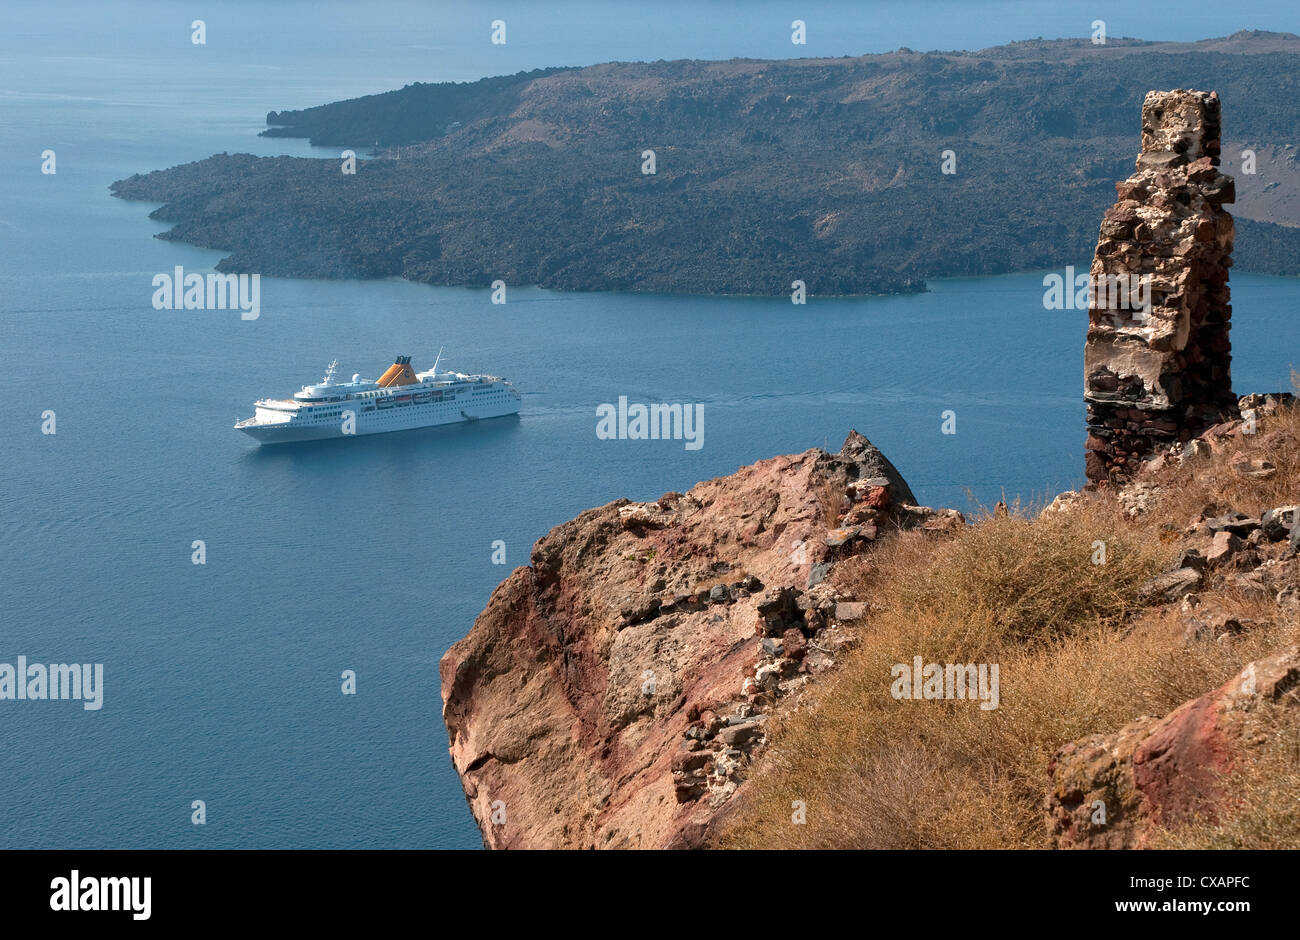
222,680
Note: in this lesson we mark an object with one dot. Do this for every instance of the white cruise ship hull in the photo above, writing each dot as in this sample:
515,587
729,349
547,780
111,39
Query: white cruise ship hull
398,417
400,400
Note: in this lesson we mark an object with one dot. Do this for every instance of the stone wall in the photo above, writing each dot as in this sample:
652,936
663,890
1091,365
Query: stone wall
1159,373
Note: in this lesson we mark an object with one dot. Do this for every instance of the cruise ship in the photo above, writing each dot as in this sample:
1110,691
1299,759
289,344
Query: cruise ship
399,400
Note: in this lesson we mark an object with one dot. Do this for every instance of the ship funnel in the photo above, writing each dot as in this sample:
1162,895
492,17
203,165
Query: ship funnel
399,373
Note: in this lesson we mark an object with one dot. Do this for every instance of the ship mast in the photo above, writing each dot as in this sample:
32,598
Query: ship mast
436,361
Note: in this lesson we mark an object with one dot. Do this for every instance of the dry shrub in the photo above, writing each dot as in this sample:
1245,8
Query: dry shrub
831,498
1019,579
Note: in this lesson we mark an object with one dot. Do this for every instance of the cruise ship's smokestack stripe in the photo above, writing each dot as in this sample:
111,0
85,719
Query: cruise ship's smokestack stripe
399,373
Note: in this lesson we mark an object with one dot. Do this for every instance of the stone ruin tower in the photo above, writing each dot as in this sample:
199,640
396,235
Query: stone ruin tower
1159,375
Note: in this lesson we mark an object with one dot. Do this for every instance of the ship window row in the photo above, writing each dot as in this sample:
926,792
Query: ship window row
315,414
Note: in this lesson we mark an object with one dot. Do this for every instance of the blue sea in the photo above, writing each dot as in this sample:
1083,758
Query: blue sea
222,680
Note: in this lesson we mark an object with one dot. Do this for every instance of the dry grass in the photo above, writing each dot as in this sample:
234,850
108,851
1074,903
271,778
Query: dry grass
1077,654
831,498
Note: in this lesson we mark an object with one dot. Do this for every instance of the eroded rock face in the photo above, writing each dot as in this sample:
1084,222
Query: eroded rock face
1156,363
1110,791
613,692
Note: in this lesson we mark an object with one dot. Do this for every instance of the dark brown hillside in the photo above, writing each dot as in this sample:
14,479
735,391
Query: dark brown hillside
823,170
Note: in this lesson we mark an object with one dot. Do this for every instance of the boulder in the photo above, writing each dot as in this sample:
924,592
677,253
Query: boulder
1189,558
1234,522
1222,548
1276,524
579,696
777,609
1114,790
741,735
1170,586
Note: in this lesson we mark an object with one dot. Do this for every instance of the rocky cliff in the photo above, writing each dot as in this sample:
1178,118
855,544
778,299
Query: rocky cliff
613,692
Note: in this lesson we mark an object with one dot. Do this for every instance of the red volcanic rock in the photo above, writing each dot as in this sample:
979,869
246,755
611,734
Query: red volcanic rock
568,704
794,643
1109,791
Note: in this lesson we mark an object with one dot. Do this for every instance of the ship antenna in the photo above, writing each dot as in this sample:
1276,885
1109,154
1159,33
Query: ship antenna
329,372
436,361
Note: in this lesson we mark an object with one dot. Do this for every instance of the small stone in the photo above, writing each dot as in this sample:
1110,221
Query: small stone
794,644
686,761
1256,469
837,537
1276,524
1234,522
766,677
818,661
794,685
818,573
1224,546
712,721
1252,585
740,735
1170,586
873,492
777,610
